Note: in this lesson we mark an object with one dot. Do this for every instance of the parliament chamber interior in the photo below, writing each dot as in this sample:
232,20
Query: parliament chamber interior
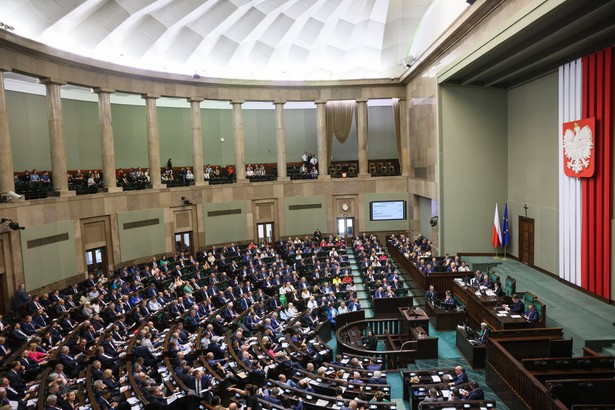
265,204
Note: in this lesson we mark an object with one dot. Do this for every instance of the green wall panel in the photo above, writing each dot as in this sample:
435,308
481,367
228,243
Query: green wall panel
29,131
81,135
225,228
141,241
50,263
305,221
533,166
473,161
217,124
175,134
129,136
259,132
300,127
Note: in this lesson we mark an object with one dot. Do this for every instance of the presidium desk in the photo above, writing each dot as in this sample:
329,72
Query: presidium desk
482,308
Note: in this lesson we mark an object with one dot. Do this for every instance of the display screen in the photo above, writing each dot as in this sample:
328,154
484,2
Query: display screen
387,210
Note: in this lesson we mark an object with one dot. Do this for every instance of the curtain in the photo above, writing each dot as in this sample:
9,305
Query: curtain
397,121
338,116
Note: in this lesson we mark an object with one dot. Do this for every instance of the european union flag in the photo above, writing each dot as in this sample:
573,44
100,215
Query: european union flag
505,235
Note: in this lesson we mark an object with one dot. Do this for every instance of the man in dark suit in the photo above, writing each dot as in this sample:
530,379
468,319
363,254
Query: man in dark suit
21,298
431,293
15,375
198,382
531,315
475,393
71,364
516,306
462,377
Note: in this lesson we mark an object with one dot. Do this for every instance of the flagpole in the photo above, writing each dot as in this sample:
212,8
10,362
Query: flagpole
504,258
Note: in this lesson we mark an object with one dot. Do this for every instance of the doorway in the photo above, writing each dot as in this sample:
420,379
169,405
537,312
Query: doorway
96,260
183,241
264,232
526,240
345,227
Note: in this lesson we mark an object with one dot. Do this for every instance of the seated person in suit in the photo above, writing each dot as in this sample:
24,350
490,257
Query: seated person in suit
483,333
516,306
377,378
475,393
532,314
373,365
431,293
497,289
449,302
462,377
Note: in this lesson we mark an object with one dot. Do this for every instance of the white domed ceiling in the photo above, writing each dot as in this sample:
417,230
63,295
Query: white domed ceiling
247,39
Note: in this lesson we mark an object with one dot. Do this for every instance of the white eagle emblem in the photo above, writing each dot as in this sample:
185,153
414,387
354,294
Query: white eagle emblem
578,148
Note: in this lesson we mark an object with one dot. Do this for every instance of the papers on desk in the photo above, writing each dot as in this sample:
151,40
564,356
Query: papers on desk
132,401
502,314
446,394
171,398
31,402
516,316
323,352
321,403
344,361
436,378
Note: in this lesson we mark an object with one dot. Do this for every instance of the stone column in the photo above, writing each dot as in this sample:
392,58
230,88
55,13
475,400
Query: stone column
56,137
280,138
240,165
321,138
197,141
7,180
362,136
106,139
404,154
153,143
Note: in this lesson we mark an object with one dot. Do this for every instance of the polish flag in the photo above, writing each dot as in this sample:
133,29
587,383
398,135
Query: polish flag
496,236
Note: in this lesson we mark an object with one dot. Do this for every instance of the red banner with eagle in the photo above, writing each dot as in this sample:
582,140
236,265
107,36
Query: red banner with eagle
579,147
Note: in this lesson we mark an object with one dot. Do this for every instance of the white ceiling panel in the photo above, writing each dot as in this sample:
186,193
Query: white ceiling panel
251,39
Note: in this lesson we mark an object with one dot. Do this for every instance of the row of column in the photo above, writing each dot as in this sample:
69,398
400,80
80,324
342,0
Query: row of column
58,153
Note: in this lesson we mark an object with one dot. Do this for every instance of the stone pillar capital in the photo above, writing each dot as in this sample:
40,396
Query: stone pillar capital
320,102
103,90
51,80
195,99
237,102
150,96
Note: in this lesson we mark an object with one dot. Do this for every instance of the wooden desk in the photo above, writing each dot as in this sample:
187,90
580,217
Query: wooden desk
441,281
475,354
443,319
481,308
413,317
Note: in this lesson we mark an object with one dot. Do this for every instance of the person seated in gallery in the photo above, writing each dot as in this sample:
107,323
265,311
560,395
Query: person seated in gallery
531,315
516,306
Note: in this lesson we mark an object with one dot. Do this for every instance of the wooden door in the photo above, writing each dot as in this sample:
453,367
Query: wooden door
526,240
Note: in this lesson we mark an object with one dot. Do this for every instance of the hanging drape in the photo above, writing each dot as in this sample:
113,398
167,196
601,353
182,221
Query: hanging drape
397,121
338,116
